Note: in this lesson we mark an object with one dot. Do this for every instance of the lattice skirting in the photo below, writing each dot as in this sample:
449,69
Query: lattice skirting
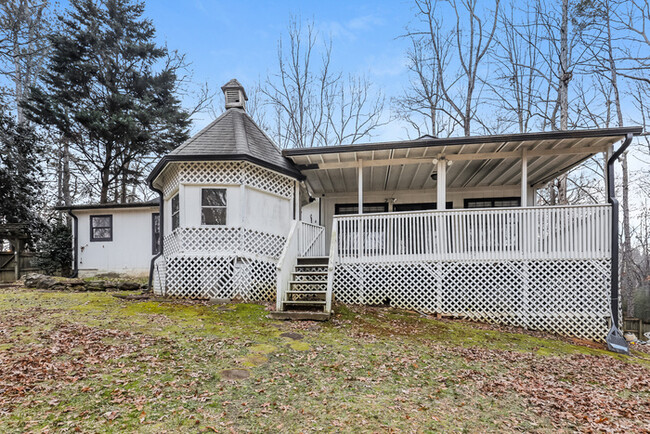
568,297
210,276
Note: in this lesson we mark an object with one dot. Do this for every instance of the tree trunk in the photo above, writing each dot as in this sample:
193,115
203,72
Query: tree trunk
626,269
565,75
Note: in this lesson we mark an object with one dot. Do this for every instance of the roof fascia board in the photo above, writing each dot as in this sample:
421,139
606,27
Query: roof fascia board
105,206
453,141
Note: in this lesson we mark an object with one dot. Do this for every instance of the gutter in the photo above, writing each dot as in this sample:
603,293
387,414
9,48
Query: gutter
75,243
161,212
611,194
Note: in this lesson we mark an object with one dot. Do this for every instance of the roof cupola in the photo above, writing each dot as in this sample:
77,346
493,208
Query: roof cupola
234,94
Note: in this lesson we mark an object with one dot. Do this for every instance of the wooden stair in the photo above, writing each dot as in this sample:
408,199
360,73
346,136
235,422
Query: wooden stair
306,298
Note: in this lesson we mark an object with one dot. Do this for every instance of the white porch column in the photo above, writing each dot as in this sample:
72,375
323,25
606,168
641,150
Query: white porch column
524,177
441,184
360,186
606,155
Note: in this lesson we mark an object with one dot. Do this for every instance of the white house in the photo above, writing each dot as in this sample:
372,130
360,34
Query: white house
115,238
443,226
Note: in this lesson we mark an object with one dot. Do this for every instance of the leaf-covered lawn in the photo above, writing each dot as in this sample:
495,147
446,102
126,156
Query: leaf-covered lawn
91,362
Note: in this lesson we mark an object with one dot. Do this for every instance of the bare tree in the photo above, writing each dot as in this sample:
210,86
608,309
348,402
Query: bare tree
518,58
470,38
634,17
311,105
421,105
23,46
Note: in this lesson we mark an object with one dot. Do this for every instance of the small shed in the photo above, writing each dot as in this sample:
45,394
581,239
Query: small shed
114,237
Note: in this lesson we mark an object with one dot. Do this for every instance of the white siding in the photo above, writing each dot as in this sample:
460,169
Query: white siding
129,252
267,212
310,212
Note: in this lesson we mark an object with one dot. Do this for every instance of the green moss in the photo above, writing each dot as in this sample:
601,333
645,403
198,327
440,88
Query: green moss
263,348
299,346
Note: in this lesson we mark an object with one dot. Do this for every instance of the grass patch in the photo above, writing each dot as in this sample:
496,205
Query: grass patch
93,362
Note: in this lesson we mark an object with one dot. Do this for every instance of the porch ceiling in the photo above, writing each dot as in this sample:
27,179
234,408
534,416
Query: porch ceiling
474,161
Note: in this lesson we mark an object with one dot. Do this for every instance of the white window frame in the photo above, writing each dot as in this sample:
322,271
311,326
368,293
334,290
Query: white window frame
224,207
178,211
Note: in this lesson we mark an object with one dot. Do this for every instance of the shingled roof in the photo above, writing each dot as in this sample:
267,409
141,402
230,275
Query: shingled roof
232,136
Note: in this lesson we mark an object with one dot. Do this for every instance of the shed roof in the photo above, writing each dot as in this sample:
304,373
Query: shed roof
478,161
149,204
232,136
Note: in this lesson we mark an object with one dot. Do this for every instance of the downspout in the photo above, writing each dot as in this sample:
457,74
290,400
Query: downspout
75,243
161,212
611,193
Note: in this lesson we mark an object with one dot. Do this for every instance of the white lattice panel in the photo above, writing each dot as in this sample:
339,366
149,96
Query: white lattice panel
212,172
170,179
266,180
568,297
223,241
225,173
201,277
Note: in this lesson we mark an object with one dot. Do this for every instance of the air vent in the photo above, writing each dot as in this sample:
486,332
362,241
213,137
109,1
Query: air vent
232,96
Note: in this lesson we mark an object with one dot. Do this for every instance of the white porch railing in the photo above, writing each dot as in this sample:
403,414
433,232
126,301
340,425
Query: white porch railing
286,262
560,232
331,266
311,240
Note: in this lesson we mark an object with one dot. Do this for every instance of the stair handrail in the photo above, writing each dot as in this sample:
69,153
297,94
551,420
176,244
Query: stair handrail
331,265
285,263
317,238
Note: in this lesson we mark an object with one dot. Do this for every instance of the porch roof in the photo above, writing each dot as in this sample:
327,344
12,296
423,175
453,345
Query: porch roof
478,161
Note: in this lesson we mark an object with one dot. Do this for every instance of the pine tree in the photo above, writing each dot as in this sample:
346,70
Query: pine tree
110,91
20,173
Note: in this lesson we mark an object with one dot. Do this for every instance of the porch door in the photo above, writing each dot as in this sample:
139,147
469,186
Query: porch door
410,238
500,234
423,206
371,240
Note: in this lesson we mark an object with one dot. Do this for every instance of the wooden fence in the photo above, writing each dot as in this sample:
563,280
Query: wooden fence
636,326
8,265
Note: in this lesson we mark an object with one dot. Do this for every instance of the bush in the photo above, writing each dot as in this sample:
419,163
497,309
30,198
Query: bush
55,250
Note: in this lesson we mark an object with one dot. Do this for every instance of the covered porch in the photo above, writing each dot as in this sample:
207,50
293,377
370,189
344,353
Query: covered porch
450,226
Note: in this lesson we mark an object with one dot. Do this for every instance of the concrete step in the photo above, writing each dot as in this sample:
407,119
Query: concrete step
305,302
299,315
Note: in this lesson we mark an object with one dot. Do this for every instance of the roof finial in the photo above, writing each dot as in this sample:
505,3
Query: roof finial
234,94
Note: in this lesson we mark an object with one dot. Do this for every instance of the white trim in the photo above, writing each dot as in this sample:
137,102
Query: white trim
441,184
360,187
524,177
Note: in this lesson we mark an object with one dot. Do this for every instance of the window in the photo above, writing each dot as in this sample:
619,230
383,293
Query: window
398,207
213,206
176,215
101,228
155,233
353,208
495,202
